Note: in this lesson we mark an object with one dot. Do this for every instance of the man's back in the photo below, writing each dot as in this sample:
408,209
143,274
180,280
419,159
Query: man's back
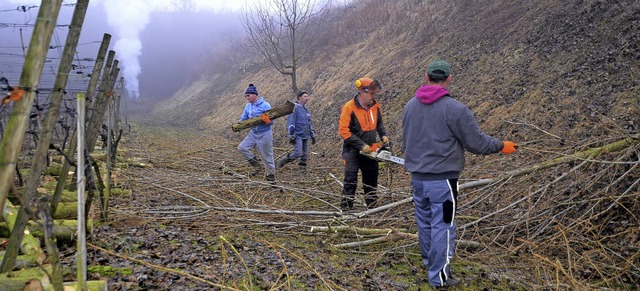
435,136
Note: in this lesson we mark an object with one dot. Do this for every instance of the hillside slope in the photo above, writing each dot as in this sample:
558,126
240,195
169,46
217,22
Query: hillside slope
557,77
564,66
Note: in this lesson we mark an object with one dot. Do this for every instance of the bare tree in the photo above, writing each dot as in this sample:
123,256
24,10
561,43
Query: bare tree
283,31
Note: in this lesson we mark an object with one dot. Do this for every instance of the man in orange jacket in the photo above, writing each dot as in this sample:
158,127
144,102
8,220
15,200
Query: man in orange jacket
359,126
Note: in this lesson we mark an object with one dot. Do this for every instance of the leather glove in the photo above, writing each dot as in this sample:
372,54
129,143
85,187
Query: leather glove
366,149
313,139
386,143
292,139
265,118
509,147
375,147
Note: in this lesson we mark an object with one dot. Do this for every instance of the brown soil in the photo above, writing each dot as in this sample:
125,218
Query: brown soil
195,211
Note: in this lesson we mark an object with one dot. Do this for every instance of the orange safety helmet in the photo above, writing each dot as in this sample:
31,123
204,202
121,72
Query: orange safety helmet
368,84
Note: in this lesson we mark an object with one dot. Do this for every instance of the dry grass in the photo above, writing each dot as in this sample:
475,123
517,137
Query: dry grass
570,226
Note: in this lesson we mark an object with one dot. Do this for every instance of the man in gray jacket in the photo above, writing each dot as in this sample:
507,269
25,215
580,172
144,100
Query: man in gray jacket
436,131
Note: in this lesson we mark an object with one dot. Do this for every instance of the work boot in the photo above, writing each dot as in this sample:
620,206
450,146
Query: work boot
256,166
270,178
371,203
253,162
283,161
346,204
450,282
371,200
302,167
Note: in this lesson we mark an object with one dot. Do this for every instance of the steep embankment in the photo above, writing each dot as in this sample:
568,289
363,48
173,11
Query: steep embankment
557,77
566,67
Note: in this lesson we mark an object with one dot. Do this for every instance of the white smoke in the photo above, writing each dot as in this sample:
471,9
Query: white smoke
130,17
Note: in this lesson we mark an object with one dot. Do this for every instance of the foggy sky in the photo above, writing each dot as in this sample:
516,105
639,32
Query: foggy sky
157,42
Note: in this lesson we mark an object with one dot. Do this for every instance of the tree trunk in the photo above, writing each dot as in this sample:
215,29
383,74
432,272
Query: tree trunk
53,254
30,245
273,113
22,261
64,230
37,279
66,210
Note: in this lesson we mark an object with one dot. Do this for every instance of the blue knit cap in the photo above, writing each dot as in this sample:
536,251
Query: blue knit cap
251,90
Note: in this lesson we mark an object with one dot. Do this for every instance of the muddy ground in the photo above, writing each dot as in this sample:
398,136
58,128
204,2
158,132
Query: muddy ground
195,220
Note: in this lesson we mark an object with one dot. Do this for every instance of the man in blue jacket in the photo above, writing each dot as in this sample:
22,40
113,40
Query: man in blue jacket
436,130
300,130
260,135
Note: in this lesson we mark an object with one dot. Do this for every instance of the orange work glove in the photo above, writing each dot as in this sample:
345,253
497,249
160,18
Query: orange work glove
509,147
265,118
374,147
366,149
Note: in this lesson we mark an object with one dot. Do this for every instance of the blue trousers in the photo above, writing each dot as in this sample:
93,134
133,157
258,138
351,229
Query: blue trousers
264,142
436,203
300,150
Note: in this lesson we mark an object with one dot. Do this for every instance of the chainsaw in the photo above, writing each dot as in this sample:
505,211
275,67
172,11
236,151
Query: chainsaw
383,153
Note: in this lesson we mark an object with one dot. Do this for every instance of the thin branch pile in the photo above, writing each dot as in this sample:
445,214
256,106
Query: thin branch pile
570,216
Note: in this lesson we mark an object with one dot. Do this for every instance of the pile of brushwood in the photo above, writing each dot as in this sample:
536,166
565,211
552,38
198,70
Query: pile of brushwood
564,218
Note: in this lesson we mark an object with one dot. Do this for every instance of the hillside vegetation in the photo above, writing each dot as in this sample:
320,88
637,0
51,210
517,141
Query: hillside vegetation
565,66
558,77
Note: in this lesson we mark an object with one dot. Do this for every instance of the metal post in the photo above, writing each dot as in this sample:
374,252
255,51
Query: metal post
81,255
107,194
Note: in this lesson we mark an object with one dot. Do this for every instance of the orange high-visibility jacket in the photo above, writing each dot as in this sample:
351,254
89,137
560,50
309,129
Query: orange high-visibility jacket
358,127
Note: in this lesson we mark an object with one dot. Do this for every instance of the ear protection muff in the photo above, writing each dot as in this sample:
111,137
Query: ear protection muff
365,84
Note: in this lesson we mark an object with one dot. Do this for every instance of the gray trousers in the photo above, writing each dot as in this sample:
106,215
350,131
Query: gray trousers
264,142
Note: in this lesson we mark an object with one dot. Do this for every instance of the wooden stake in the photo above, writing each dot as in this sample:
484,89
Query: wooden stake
19,116
95,75
39,159
100,106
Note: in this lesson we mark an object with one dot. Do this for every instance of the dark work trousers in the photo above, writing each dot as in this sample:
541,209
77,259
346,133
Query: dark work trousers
354,161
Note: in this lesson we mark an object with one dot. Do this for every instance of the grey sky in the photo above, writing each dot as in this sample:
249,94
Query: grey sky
154,40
